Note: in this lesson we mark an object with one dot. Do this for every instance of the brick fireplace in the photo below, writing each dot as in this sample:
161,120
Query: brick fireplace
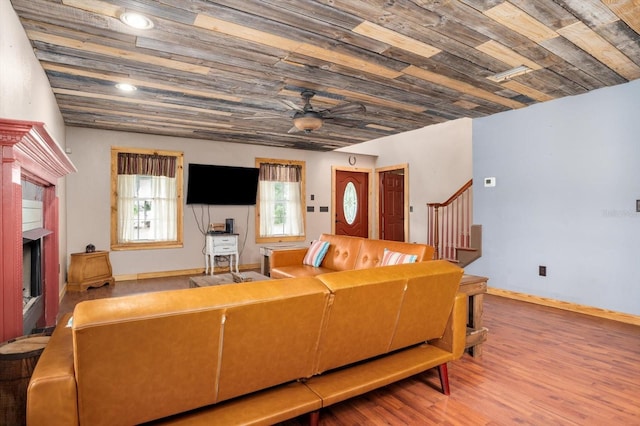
29,154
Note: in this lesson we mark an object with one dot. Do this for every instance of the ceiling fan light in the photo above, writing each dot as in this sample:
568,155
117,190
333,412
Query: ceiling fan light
307,122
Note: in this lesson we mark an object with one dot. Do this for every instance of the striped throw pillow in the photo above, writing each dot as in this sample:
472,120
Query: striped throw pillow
394,258
316,253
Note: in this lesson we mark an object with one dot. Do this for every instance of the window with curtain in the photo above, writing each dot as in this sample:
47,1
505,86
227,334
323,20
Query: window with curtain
146,201
281,201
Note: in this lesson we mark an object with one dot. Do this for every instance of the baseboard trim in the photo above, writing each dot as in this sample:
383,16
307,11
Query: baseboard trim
573,307
164,274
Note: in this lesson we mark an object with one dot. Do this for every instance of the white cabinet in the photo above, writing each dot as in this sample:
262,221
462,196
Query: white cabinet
220,245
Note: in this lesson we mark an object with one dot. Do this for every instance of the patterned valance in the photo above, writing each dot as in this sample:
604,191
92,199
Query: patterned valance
280,172
146,164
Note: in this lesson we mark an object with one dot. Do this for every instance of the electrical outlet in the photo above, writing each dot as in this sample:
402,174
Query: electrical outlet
542,271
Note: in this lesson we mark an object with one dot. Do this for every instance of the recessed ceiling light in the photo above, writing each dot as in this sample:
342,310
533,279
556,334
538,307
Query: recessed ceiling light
136,20
126,87
514,72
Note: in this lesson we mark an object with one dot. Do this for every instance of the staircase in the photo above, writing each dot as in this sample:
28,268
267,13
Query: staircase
450,228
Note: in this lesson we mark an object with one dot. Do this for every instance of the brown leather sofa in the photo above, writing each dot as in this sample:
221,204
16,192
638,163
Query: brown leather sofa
251,353
344,253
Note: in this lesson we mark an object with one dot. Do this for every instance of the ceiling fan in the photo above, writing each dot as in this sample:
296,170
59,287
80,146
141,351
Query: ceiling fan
308,119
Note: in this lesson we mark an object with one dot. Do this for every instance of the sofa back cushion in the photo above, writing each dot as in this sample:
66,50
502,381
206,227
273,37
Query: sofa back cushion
374,311
144,357
362,316
342,253
372,252
428,300
273,341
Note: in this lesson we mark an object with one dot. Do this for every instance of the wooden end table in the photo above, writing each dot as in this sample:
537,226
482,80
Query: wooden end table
475,288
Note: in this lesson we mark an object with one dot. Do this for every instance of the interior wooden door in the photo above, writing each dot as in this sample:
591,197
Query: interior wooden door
352,203
391,206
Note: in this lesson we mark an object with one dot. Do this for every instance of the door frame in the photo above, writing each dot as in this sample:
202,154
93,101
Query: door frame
405,171
370,197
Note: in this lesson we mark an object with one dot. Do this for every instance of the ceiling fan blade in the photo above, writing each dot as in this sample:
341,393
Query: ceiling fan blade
347,108
290,104
262,117
345,122
294,129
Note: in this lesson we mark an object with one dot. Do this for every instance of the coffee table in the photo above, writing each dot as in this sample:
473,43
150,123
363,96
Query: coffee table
209,280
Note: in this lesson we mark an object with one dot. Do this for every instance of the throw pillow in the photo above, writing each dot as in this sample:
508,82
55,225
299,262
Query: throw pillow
316,253
394,258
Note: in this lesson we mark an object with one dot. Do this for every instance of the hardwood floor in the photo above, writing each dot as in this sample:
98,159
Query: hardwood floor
540,366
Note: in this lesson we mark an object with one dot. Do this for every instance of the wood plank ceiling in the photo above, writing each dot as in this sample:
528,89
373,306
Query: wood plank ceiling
229,70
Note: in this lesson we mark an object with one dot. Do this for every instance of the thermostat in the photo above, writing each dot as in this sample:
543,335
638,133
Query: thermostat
489,182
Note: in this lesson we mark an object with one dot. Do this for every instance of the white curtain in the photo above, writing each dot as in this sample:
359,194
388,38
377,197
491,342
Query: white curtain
292,225
161,193
267,207
126,202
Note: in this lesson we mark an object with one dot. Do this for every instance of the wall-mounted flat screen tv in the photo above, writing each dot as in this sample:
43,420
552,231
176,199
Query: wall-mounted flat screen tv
222,185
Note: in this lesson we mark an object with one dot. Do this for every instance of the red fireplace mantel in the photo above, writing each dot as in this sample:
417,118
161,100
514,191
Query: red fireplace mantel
28,152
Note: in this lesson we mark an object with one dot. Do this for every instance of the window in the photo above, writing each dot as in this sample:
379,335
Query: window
280,210
146,199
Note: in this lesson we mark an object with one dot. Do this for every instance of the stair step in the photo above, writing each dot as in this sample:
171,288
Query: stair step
469,249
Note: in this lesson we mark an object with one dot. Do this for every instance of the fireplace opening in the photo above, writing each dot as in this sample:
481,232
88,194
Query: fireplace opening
32,269
32,278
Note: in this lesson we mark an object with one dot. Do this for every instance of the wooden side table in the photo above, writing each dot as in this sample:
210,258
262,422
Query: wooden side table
474,287
266,251
89,270
220,245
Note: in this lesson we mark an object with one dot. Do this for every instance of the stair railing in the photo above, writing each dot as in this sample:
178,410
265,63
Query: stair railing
449,223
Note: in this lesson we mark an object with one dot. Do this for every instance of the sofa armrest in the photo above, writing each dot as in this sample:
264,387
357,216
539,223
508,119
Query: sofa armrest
52,396
455,333
289,257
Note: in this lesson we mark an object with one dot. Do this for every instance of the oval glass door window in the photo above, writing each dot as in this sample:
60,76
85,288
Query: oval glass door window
350,203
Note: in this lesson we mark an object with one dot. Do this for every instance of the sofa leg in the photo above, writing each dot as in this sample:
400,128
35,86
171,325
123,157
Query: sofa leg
443,372
314,418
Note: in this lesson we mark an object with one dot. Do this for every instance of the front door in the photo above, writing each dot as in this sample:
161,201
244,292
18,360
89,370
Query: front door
391,206
352,203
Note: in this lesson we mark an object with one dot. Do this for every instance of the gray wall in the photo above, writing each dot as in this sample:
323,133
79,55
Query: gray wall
429,152
439,159
568,178
89,196
25,94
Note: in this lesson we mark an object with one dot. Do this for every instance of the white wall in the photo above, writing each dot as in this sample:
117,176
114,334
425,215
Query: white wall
567,183
440,162
89,196
25,94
